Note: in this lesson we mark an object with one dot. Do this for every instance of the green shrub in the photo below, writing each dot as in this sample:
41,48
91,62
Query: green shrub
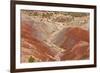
31,59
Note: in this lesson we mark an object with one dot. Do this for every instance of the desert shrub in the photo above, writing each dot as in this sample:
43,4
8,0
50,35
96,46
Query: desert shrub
31,59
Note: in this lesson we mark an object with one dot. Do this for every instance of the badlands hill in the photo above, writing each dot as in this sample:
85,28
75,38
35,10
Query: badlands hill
54,36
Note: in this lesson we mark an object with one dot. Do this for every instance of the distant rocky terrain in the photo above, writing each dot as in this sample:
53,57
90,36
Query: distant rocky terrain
54,36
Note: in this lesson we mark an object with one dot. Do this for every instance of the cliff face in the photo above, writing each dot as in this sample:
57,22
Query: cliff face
45,42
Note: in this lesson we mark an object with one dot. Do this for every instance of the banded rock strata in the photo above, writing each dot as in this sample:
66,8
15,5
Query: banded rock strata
40,41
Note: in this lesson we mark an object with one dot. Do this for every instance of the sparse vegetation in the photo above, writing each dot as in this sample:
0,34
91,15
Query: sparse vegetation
31,59
78,14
